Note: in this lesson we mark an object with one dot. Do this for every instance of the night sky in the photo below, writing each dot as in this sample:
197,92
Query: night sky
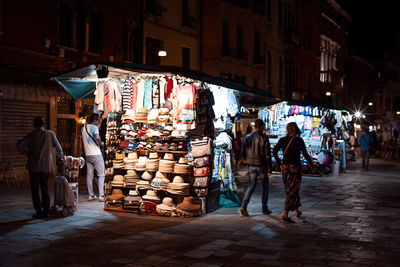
374,27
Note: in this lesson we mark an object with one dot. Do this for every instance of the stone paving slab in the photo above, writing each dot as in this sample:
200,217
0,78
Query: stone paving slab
349,220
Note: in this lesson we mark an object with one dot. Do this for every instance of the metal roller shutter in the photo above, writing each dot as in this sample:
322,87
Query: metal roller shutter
17,121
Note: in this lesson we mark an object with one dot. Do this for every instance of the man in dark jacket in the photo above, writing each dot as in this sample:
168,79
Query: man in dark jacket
257,155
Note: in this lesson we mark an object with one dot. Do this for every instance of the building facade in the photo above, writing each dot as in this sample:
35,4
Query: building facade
47,38
334,25
174,27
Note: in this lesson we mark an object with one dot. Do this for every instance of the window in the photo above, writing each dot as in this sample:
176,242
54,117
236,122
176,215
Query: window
226,75
257,48
307,37
259,7
269,67
131,48
95,34
225,39
65,25
1,17
185,57
255,83
239,42
280,15
268,9
152,48
240,79
187,19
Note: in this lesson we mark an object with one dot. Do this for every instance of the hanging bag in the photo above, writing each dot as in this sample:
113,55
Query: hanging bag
201,148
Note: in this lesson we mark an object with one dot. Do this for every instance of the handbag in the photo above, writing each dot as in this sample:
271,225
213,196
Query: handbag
201,147
201,181
201,162
203,171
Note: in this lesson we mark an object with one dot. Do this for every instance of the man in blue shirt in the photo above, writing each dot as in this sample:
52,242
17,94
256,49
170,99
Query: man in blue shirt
365,141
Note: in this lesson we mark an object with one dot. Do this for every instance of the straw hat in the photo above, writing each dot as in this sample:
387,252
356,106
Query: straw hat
160,175
153,155
118,180
183,160
119,156
166,207
141,115
143,185
131,174
129,115
160,183
163,111
168,156
188,205
116,195
178,180
133,198
141,164
153,115
147,176
151,196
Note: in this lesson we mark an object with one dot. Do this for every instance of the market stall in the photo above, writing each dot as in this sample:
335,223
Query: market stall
324,131
168,137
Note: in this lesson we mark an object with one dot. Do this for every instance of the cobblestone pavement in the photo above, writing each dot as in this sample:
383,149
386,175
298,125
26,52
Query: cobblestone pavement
349,220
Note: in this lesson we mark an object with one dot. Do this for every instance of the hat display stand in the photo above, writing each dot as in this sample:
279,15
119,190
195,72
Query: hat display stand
151,133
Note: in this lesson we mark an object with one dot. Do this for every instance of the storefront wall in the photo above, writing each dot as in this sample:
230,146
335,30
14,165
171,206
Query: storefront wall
20,103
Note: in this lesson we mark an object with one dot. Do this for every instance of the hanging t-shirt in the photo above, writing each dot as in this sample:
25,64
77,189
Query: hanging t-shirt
184,97
140,94
148,94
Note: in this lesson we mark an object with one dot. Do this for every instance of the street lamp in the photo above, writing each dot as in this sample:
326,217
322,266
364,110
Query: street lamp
370,104
328,93
358,114
398,112
162,53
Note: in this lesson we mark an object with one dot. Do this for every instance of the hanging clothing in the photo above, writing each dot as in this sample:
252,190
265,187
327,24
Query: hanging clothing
140,94
169,87
99,99
162,84
148,94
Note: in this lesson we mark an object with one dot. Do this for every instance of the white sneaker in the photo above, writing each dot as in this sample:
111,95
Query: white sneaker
101,199
90,198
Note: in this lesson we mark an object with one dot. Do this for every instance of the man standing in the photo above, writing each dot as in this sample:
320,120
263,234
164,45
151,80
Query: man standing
94,159
257,155
365,141
38,145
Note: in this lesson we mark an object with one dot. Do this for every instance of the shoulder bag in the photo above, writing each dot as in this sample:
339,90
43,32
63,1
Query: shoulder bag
101,149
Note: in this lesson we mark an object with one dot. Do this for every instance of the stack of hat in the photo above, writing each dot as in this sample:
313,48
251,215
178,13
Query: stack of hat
188,208
153,116
142,131
160,182
167,207
163,115
133,200
129,116
116,195
125,129
118,163
142,184
146,176
130,161
182,166
118,180
141,164
178,187
152,162
131,178
151,196
141,115
167,164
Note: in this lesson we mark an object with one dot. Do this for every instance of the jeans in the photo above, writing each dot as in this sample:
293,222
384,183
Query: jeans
40,178
256,172
95,162
365,159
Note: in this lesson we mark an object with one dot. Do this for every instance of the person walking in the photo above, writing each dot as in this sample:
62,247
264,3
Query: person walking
291,145
257,155
94,159
38,146
366,142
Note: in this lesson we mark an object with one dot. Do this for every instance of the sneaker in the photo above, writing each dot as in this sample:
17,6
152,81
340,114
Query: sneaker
90,198
101,198
244,212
